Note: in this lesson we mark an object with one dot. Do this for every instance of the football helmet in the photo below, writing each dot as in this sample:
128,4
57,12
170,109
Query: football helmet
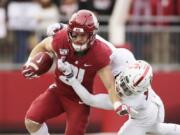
135,79
82,22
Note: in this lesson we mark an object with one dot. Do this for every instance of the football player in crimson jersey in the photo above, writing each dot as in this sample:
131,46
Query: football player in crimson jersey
139,101
88,55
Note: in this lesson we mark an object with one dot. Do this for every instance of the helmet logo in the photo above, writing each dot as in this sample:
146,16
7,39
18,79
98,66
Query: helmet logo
78,30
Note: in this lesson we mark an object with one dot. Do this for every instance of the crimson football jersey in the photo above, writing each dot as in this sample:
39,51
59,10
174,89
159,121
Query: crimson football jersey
85,67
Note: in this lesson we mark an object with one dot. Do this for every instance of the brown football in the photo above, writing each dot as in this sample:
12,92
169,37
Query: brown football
44,61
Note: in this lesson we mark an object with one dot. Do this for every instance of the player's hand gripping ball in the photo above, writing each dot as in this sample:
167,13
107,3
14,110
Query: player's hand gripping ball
37,65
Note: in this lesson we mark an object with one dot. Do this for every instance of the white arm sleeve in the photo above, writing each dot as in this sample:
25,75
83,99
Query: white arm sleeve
101,101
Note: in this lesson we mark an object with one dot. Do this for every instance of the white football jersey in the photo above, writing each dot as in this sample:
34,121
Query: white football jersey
120,59
142,103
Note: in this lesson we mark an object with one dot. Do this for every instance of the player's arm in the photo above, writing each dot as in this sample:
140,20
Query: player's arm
107,78
30,68
101,101
44,45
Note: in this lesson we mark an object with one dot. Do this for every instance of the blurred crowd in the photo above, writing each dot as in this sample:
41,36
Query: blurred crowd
150,28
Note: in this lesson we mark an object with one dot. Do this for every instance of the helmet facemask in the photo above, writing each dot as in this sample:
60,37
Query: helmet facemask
135,79
79,46
122,87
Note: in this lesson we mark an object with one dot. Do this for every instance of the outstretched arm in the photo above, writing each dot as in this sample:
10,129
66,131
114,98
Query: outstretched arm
101,101
108,80
44,45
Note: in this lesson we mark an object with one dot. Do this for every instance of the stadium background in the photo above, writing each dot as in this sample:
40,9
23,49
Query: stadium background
18,36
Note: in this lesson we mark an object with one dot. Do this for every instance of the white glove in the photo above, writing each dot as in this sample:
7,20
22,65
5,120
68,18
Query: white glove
53,28
65,67
29,70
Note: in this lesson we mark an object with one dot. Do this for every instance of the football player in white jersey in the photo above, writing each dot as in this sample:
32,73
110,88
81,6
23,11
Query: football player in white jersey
139,101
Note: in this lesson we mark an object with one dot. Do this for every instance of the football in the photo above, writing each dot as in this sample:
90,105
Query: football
44,61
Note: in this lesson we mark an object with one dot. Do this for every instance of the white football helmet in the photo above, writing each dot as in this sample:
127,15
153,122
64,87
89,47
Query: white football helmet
135,79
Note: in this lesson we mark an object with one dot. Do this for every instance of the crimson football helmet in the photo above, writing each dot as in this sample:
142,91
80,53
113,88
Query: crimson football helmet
82,22
135,79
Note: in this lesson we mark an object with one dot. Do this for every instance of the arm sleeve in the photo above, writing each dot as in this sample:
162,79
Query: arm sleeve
101,101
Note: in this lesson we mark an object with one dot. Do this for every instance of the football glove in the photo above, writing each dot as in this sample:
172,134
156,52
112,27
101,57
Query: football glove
65,67
29,70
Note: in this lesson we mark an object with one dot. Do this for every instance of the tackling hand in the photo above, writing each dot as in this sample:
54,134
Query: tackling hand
65,67
67,70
